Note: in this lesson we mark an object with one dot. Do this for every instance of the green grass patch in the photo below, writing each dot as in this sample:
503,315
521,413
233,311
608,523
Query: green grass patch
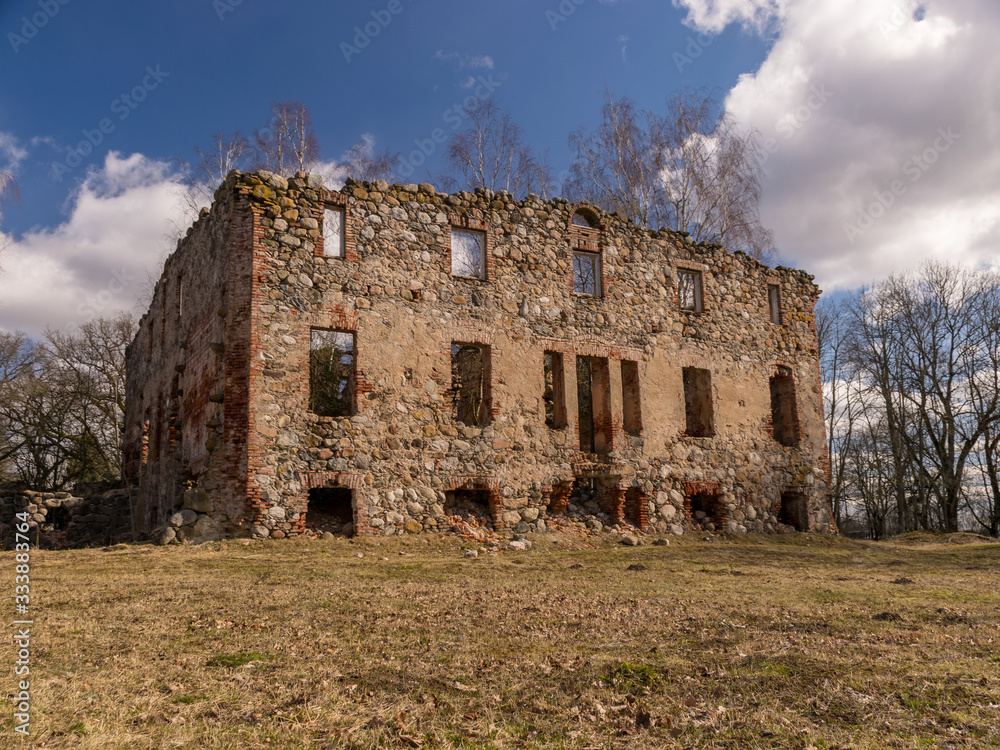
234,660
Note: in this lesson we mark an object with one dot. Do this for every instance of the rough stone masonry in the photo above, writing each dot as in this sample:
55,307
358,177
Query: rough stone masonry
384,359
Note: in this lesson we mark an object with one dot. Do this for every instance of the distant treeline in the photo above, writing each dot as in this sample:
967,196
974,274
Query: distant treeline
910,373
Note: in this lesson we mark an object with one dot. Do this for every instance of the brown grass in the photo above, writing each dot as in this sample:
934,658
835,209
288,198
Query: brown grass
752,642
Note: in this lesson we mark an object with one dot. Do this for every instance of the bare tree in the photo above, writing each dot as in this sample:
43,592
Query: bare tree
226,153
840,404
206,173
17,361
926,348
62,404
93,362
984,505
8,190
489,152
363,163
694,169
289,143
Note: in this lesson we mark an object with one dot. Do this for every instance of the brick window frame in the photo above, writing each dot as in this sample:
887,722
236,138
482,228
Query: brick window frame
589,215
591,348
471,223
784,423
471,335
338,202
587,239
351,408
598,260
701,276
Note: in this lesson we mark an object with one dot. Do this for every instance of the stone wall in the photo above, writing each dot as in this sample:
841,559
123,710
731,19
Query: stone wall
218,410
58,520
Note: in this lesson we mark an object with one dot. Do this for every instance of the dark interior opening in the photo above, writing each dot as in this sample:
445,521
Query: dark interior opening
554,395
698,402
585,404
469,505
593,404
331,509
631,402
586,503
705,511
634,499
470,381
59,518
784,421
793,510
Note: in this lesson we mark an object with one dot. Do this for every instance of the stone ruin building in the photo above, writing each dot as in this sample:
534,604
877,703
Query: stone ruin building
386,359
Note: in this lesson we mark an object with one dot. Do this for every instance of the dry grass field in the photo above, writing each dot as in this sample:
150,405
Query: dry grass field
751,642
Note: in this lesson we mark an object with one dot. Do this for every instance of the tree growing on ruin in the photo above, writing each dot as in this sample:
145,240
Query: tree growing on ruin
288,144
202,177
363,162
489,152
224,154
693,169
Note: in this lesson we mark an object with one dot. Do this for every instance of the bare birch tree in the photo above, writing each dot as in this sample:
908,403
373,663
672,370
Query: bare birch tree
289,142
224,154
693,169
363,162
489,152
202,177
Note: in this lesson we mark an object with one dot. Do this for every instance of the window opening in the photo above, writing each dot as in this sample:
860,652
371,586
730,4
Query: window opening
698,402
470,382
331,373
468,254
689,291
333,233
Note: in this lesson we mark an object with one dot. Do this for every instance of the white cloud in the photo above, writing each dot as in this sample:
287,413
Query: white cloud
465,61
12,153
714,15
119,228
855,96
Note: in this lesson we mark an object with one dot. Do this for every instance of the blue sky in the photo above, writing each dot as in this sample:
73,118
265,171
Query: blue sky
224,64
849,92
